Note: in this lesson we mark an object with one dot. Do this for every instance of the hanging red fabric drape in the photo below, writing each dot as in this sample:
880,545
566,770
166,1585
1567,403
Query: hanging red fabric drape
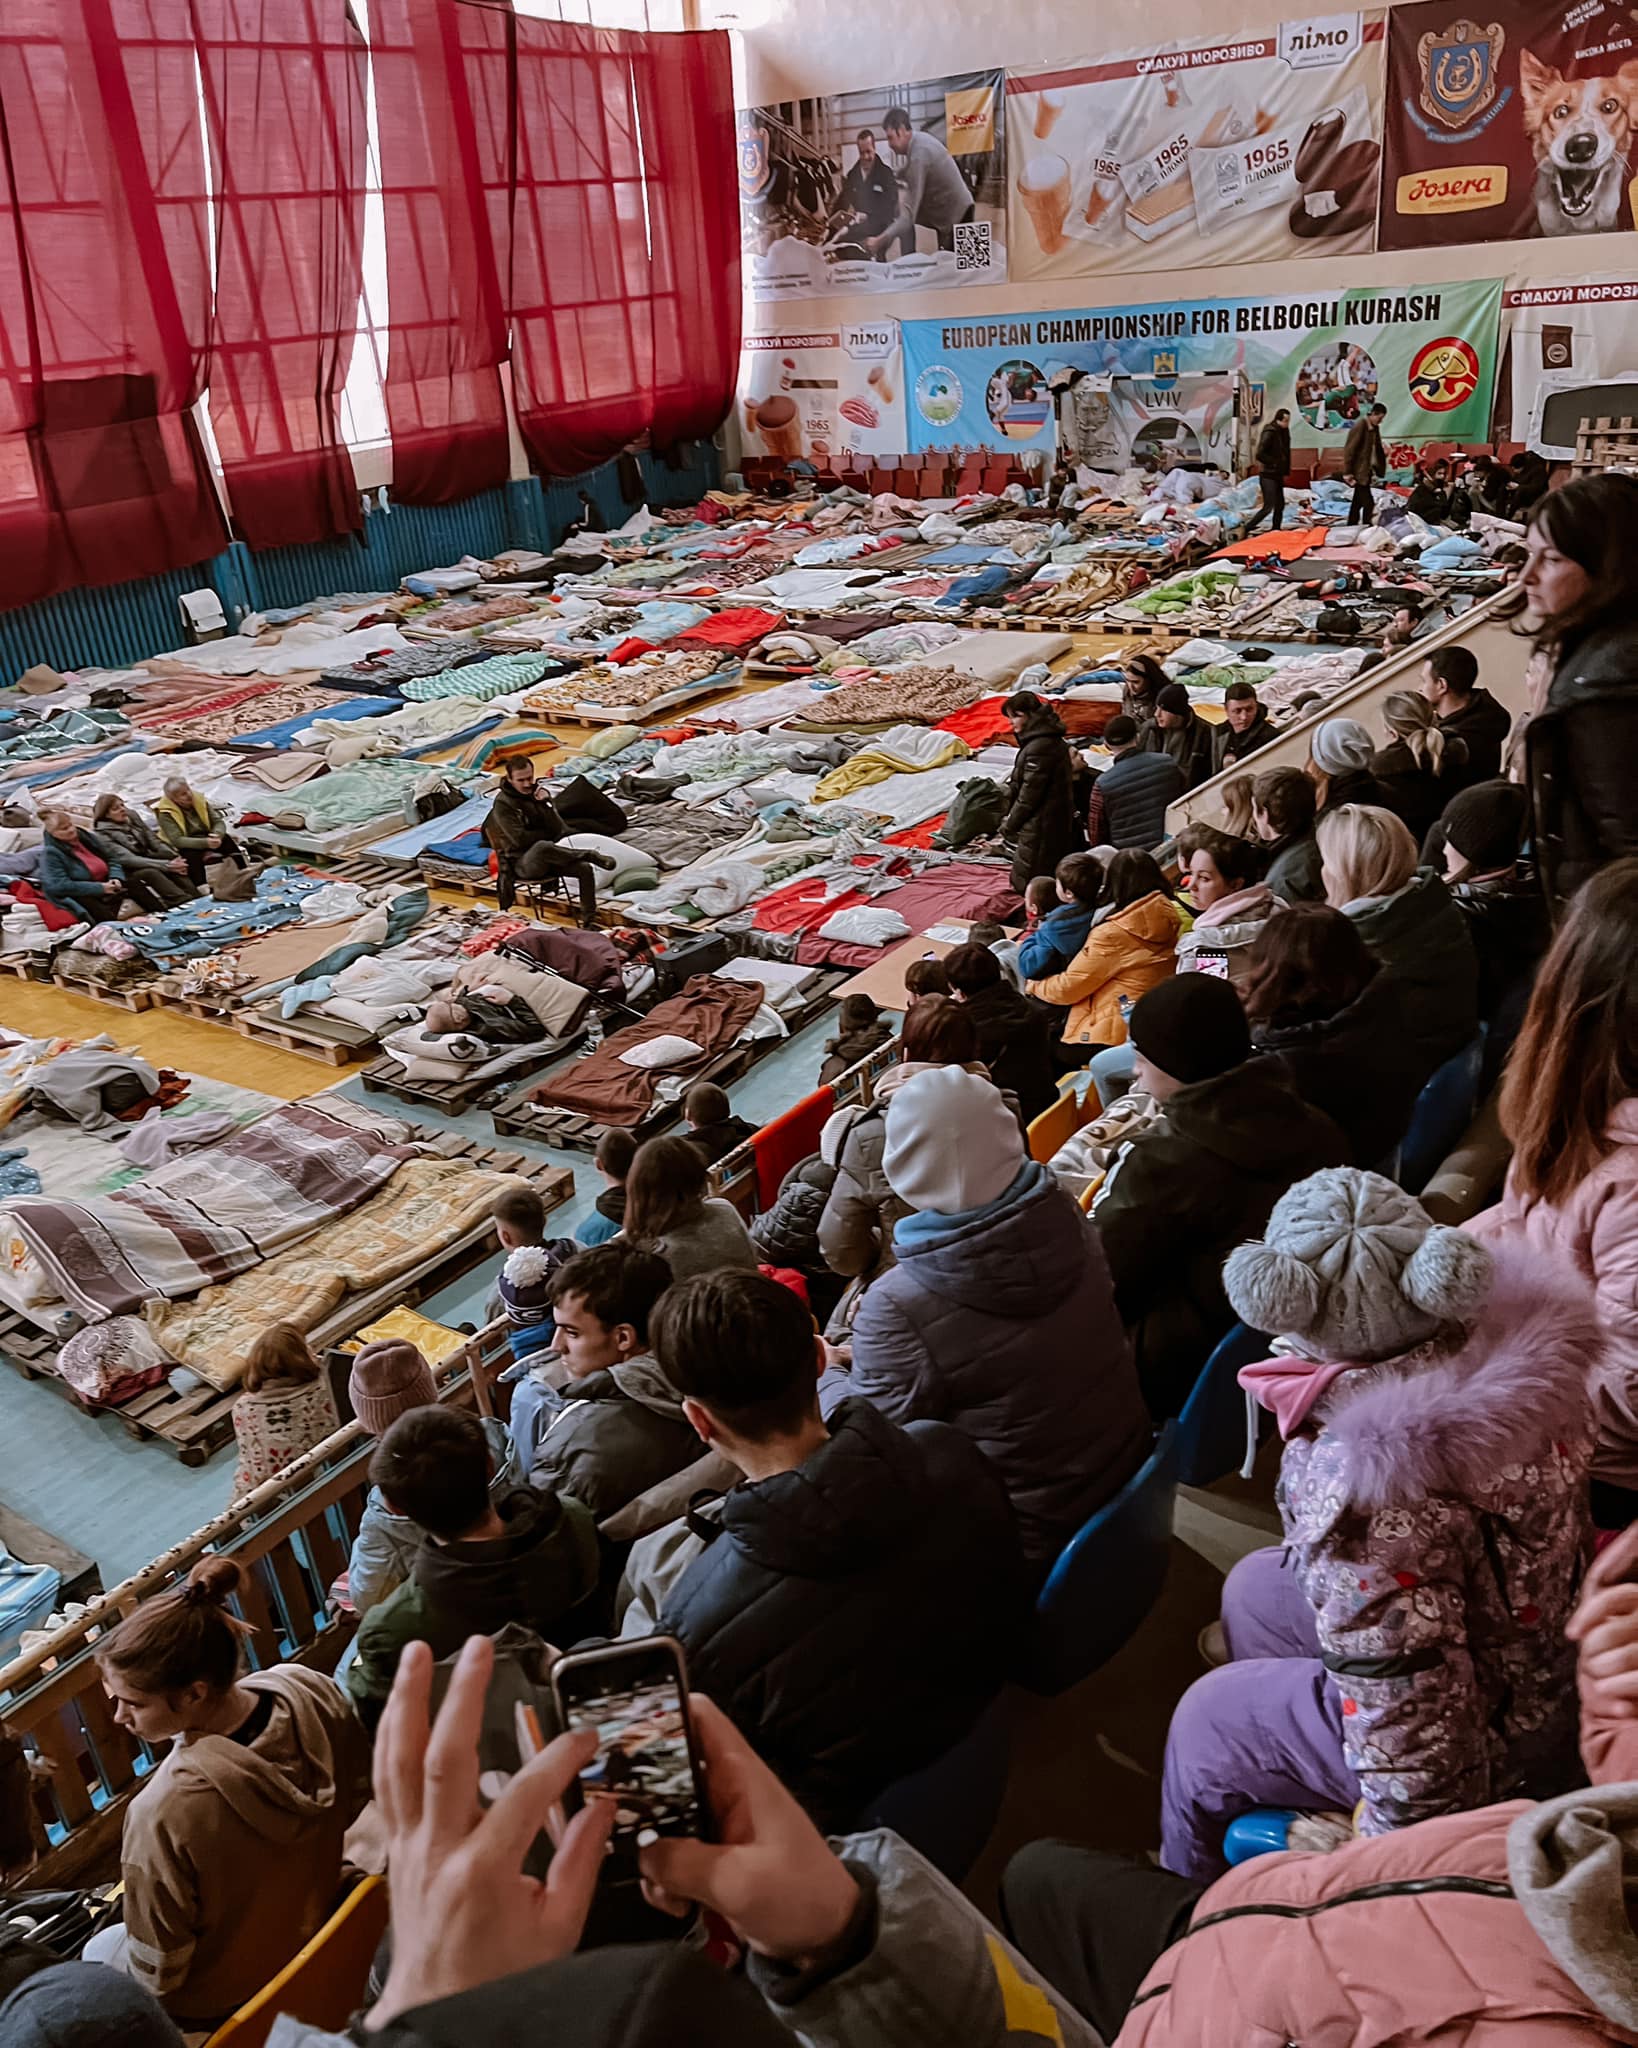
624,295
284,87
442,76
104,297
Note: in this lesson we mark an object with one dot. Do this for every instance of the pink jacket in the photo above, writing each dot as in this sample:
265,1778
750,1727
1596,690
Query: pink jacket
1596,1231
1435,1934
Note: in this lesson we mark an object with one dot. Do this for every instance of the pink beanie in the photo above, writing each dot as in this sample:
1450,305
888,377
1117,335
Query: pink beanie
388,1380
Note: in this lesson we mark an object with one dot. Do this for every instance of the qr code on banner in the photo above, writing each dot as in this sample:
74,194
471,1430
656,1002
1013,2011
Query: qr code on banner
972,245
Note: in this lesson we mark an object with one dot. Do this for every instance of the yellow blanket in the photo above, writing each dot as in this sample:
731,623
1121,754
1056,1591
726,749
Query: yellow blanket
425,1207
926,749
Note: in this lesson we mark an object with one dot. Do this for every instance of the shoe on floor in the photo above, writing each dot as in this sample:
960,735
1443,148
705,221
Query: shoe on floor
1213,1645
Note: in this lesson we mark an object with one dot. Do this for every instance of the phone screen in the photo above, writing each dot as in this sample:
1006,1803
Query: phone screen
644,1762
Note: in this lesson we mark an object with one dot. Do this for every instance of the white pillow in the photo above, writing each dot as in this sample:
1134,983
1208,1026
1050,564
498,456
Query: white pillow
668,1050
628,860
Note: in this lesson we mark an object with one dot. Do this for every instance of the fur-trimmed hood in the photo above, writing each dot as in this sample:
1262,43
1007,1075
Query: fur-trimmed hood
1447,1421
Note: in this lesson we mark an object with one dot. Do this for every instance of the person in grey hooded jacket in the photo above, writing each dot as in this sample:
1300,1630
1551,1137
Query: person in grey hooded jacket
999,1316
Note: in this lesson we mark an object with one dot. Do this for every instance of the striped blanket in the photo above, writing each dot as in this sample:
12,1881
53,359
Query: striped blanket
206,1216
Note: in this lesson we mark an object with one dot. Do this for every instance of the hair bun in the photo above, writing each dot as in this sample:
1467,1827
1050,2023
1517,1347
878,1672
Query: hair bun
213,1582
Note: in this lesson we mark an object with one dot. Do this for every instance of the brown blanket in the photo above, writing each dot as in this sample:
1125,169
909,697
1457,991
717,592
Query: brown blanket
710,1011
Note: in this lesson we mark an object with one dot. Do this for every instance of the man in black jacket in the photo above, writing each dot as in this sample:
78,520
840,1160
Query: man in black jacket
524,829
1273,466
1363,461
1246,727
856,1600
1450,683
1015,1035
1180,732
1130,798
1186,1191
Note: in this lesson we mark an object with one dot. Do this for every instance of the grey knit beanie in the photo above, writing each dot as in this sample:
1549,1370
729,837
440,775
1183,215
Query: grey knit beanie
1340,744
1351,1267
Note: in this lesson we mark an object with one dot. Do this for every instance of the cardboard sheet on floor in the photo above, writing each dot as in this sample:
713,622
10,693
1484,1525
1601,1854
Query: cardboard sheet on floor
884,981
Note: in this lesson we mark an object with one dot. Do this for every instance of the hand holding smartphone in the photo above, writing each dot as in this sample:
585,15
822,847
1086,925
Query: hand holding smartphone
634,1695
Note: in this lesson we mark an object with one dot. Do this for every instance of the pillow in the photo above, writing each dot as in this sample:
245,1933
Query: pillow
439,1058
629,861
668,1050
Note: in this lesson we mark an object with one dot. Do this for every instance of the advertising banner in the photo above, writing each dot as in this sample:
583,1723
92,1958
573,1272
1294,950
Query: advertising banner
1192,153
1517,124
1567,340
818,395
1426,352
901,188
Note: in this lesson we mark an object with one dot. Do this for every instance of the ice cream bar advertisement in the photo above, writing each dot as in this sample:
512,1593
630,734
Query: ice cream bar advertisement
894,188
818,395
1509,122
1192,153
1428,353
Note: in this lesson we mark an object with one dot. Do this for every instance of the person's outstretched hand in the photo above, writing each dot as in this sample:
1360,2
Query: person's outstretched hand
771,1875
463,1913
1605,1624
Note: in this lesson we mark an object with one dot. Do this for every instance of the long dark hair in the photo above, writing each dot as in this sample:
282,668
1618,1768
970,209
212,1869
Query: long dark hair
1132,875
1306,963
666,1187
1575,1060
1592,521
1144,669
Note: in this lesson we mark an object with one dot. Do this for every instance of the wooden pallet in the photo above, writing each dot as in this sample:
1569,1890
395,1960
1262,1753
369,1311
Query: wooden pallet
166,994
25,966
368,870
328,1040
1605,444
134,996
455,1096
519,1115
196,1425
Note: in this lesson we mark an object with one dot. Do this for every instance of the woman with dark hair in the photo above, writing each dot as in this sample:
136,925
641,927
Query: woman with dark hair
142,852
1569,1105
1580,583
1040,824
669,1210
1315,995
1142,680
856,1228
231,1856
1230,900
1131,947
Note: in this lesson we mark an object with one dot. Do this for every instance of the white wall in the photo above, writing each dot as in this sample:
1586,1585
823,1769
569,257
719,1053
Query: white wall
797,48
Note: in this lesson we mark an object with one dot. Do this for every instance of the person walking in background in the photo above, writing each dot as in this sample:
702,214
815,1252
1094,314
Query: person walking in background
932,192
1363,461
1273,467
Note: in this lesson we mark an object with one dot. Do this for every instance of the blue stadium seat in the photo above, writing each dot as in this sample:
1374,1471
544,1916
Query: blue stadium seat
1212,1430
949,1810
1107,1577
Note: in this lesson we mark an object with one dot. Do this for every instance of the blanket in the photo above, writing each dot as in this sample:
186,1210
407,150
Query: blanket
709,1010
430,1204
207,1217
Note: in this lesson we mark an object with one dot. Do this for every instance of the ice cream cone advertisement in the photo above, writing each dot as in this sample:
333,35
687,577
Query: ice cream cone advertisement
822,394
1244,150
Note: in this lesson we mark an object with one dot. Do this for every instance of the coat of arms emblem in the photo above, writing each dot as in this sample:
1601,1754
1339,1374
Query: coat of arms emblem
1459,70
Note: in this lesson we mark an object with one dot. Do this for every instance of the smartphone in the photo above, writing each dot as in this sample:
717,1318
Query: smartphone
635,1694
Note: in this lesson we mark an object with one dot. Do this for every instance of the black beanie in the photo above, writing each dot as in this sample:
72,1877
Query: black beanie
1486,823
1192,1027
1172,698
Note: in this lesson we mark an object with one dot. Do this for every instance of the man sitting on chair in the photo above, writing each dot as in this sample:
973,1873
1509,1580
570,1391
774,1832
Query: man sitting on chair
524,829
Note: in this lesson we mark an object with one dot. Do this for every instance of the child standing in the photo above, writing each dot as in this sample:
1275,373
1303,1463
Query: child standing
616,1150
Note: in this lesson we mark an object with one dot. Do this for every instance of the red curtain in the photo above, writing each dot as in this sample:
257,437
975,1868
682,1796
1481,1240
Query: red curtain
104,296
284,87
442,96
624,291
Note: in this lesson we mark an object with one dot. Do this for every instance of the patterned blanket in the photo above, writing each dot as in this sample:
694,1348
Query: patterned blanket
209,1215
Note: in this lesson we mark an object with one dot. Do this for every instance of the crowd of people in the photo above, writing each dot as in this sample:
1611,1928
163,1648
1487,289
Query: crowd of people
835,1452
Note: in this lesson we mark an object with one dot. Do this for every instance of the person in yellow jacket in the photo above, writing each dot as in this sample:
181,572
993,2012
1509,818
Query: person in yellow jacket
191,823
1131,947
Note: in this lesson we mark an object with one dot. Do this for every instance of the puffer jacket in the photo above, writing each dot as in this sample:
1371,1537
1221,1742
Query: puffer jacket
1581,759
1217,941
1593,1232
787,1233
136,843
1055,941
1040,822
1356,1065
1378,1944
618,1433
1294,869
65,878
854,1617
1435,1514
1132,951
1002,1322
1422,939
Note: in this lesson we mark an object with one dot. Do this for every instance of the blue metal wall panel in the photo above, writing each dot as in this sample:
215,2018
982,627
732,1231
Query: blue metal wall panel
109,627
